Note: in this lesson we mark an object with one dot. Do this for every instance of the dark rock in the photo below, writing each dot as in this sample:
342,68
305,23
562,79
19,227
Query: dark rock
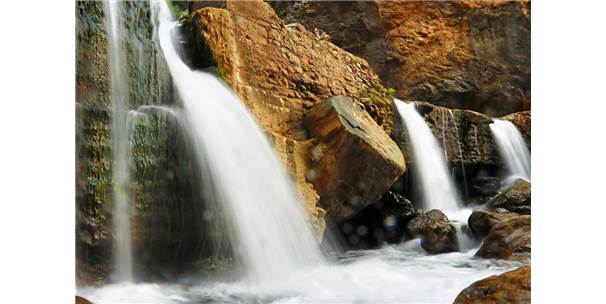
382,222
486,186
508,240
480,222
397,205
509,287
354,160
515,198
437,234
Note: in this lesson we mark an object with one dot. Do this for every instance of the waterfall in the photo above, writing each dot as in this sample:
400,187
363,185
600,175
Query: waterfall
267,223
120,146
430,166
512,148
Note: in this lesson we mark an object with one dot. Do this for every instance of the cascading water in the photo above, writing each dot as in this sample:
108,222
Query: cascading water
266,220
120,147
512,148
437,188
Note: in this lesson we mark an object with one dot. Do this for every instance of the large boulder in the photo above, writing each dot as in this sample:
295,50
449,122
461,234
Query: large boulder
282,71
509,287
515,198
460,54
437,234
354,160
480,222
508,240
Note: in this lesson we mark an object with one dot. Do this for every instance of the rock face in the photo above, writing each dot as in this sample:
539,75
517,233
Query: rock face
437,234
354,160
166,226
516,198
464,54
480,222
509,287
522,121
508,240
464,135
295,70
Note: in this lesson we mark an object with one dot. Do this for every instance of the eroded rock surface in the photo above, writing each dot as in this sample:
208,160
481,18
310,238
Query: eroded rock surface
480,222
354,160
508,240
280,72
460,54
515,198
437,234
510,287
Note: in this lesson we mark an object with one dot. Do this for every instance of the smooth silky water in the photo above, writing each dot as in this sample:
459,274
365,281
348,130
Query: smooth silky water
512,149
120,144
269,228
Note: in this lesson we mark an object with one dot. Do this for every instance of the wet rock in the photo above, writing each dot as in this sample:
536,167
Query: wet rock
464,135
397,205
382,222
508,240
283,70
81,300
437,234
354,160
509,287
459,54
480,222
486,186
522,121
515,198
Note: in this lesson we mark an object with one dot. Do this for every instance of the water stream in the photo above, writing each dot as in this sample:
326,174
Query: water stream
267,222
123,260
512,148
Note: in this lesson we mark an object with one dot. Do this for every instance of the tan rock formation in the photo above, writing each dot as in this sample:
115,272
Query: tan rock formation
354,161
509,287
460,54
281,71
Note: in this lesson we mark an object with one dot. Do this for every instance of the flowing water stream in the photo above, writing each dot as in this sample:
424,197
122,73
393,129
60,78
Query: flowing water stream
267,224
120,146
512,148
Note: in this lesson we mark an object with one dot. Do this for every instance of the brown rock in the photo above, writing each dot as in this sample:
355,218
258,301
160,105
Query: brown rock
509,287
515,198
522,121
81,300
508,240
480,222
437,234
355,161
460,54
247,40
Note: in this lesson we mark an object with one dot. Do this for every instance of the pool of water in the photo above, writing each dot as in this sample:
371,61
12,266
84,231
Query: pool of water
394,274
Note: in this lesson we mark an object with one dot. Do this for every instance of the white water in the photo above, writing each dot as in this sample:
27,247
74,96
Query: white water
512,148
430,166
393,274
267,221
123,261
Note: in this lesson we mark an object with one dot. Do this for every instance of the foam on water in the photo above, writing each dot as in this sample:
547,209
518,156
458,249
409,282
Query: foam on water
394,274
